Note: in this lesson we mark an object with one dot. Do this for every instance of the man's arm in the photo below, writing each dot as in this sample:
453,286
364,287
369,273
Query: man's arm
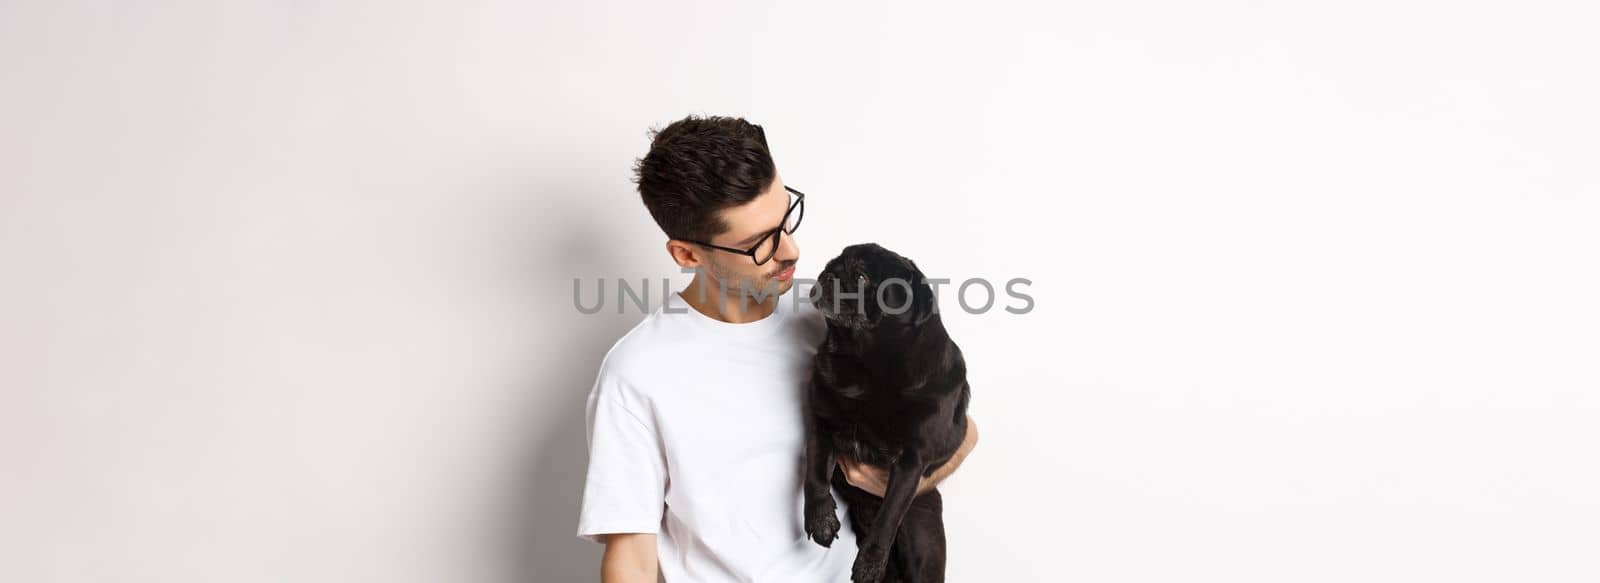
876,480
629,558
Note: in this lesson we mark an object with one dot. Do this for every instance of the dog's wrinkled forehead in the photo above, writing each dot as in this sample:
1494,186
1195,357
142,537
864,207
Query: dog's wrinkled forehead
872,260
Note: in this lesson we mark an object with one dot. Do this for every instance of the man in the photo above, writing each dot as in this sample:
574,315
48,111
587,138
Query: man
694,422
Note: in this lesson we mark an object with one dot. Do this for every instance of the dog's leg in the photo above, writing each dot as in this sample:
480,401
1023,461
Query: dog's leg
863,506
919,549
904,475
822,522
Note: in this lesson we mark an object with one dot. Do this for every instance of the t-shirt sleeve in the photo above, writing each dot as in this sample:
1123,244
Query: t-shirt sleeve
625,486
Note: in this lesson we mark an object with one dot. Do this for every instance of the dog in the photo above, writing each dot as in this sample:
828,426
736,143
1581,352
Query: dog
889,388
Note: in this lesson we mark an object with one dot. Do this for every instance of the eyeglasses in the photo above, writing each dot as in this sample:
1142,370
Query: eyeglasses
763,250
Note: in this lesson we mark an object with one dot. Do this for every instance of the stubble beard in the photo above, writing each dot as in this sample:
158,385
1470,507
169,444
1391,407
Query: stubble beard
737,286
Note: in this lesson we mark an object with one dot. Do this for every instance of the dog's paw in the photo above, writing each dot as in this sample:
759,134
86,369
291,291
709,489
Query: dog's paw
823,530
821,524
869,566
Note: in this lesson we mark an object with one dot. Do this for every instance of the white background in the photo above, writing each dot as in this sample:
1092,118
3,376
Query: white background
287,285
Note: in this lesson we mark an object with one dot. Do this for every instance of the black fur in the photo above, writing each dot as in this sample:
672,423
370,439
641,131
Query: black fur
888,388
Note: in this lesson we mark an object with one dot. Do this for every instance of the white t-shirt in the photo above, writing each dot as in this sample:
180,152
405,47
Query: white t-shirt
695,434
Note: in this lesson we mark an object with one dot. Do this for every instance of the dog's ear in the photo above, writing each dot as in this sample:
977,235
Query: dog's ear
909,265
923,304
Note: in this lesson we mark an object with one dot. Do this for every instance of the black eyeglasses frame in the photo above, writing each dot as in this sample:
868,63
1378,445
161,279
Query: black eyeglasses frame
799,203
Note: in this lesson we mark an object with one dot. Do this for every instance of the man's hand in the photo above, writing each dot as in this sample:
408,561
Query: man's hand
875,480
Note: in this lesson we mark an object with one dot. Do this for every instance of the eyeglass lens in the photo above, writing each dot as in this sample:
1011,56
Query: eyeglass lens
769,245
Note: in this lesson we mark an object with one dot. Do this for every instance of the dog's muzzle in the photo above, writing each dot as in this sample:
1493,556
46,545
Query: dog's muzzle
846,311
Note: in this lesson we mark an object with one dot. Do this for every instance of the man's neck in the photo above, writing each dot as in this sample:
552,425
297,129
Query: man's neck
703,295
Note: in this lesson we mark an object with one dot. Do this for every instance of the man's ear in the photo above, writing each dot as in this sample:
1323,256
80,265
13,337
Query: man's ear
684,254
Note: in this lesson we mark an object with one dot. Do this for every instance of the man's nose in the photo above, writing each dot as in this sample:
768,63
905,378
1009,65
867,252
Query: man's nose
788,249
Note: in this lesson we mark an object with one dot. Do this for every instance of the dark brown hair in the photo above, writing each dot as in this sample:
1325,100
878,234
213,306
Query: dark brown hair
698,166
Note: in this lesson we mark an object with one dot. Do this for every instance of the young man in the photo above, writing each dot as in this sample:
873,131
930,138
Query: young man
694,421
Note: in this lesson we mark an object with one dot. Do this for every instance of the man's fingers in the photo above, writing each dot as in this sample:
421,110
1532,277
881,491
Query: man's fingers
848,467
863,476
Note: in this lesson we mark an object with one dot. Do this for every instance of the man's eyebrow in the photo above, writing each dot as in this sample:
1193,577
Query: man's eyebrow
750,239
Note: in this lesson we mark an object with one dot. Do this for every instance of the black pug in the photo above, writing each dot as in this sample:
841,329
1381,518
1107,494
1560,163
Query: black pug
889,388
